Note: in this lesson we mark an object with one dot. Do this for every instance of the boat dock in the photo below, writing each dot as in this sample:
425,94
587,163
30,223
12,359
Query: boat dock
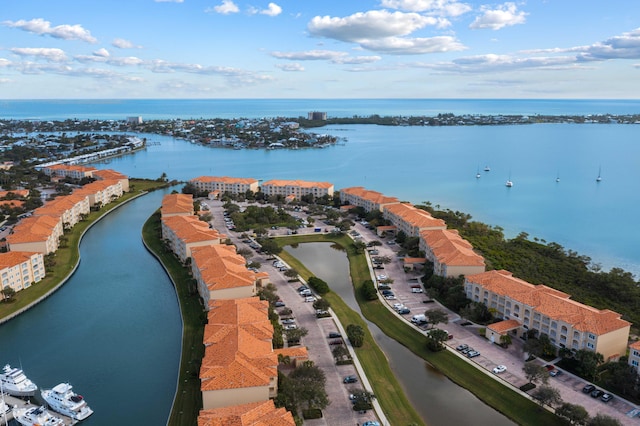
13,401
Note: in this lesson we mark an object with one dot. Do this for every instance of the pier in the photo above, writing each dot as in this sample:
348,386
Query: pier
13,401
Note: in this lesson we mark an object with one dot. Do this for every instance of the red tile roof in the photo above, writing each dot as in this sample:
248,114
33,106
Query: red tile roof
252,414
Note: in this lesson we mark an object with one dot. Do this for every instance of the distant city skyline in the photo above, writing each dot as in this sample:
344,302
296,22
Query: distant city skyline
547,49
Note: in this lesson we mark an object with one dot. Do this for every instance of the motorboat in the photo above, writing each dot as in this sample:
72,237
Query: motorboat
64,400
36,416
509,184
16,383
487,168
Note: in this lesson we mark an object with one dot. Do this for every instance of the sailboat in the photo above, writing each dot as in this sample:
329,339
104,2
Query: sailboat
558,177
599,178
487,168
509,184
478,173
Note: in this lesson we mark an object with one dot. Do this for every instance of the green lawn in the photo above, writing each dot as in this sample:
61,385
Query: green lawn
511,404
66,258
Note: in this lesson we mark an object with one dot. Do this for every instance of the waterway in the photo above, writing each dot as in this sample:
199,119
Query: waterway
113,330
437,399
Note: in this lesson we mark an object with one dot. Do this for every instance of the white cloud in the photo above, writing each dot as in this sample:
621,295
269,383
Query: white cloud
272,10
49,54
227,7
495,19
41,27
413,46
432,7
625,46
371,25
121,43
356,60
290,67
309,55
103,53
4,62
4,81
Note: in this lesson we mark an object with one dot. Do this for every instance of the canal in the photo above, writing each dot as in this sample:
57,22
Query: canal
439,401
113,330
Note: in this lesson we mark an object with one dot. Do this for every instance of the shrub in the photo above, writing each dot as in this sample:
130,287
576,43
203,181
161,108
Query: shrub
318,285
355,333
368,290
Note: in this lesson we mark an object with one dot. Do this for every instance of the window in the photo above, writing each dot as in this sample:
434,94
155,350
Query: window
590,345
636,353
592,337
634,363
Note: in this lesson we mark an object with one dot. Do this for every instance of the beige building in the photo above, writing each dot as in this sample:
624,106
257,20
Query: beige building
451,254
177,205
411,220
568,324
20,269
185,232
109,174
368,200
252,414
102,192
239,365
70,208
634,355
40,234
221,273
68,171
223,184
297,188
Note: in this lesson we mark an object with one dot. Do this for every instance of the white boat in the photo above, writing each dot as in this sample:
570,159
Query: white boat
509,184
599,178
65,401
486,168
36,416
478,173
14,382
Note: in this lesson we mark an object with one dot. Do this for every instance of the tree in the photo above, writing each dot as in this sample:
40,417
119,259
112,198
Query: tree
435,339
340,352
436,316
534,372
292,274
321,304
368,290
294,335
309,385
546,395
362,399
207,217
603,420
359,246
318,285
505,340
576,414
8,293
268,293
355,334
588,363
269,246
245,252
622,377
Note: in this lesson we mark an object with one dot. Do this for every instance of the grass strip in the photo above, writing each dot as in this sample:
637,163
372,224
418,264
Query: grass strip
518,408
188,398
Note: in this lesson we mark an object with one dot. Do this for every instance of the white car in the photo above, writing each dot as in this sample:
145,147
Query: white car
382,277
500,369
310,299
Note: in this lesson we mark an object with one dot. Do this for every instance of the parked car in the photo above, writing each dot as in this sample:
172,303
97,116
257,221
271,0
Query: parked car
416,290
473,354
462,347
310,299
334,334
382,287
290,327
500,369
303,287
279,304
371,423
597,393
555,372
588,389
350,379
606,397
288,321
404,311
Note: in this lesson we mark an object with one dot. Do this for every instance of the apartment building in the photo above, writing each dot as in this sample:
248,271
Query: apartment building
634,355
368,200
221,273
297,188
239,365
568,324
70,208
38,234
20,269
222,184
19,193
185,232
411,220
253,414
177,205
68,171
102,192
451,254
108,174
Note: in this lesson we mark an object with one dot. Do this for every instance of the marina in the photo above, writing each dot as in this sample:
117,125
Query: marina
18,405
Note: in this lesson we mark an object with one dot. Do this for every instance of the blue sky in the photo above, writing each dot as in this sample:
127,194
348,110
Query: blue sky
319,49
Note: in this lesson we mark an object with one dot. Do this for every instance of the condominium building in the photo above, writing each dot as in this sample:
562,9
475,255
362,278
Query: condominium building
368,200
68,171
102,192
297,188
411,220
224,184
20,269
634,355
182,233
177,204
253,414
568,324
38,234
70,208
221,273
108,174
239,365
451,254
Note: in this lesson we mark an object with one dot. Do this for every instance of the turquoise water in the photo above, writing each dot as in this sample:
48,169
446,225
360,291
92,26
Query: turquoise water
113,330
439,164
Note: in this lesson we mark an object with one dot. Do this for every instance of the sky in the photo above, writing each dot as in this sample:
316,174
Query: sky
147,49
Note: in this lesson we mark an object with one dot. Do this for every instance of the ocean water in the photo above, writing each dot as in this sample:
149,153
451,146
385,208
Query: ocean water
416,164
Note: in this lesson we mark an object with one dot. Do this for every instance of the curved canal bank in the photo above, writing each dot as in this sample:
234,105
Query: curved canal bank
113,330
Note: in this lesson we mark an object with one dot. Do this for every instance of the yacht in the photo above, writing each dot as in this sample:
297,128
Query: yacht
14,382
478,173
36,416
63,400
509,184
487,168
